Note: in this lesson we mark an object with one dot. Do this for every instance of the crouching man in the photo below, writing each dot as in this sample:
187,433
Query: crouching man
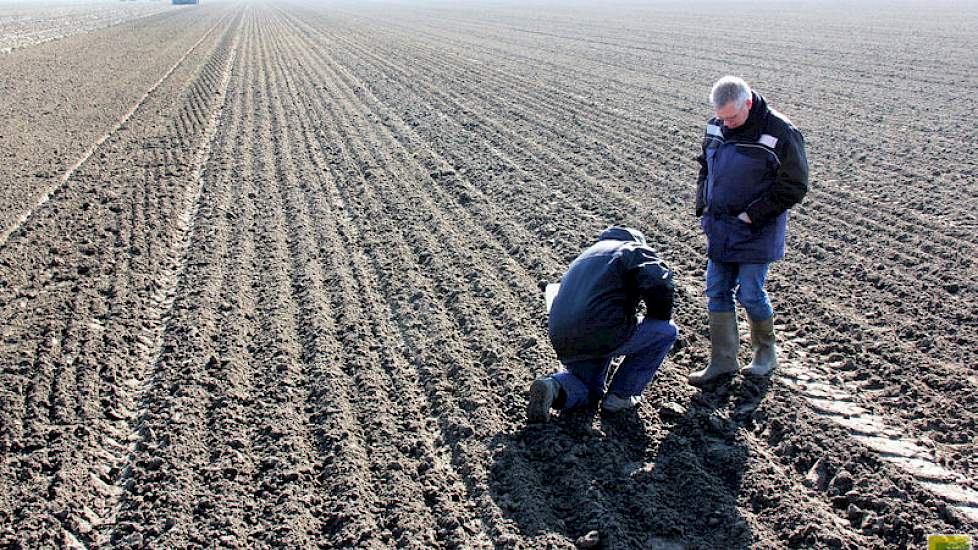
593,320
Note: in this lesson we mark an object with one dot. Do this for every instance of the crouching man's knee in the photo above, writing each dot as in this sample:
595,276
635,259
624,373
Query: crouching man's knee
662,330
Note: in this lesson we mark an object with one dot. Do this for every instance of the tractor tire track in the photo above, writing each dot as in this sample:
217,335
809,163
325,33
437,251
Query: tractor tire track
98,286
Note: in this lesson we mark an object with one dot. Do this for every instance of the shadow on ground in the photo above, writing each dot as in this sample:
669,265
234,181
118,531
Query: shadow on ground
660,477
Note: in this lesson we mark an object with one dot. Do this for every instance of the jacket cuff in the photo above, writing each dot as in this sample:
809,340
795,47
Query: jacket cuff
761,212
661,312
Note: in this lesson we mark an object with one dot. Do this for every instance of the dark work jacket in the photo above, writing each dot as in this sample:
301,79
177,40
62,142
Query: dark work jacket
759,168
594,310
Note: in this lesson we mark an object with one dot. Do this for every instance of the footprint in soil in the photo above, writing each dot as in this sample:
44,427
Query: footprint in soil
659,476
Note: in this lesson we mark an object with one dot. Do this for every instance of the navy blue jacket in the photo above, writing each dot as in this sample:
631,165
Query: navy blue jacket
759,168
594,310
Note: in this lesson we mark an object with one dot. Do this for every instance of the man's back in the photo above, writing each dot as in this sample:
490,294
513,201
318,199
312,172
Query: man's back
594,312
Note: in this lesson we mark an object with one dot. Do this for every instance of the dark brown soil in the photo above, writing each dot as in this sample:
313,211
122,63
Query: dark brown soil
295,298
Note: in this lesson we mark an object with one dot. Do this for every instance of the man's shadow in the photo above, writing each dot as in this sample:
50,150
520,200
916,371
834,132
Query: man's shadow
662,476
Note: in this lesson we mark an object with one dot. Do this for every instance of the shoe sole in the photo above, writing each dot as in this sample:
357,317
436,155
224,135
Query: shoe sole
622,405
538,410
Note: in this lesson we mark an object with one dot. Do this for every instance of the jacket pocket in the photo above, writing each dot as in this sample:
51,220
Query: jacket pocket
740,239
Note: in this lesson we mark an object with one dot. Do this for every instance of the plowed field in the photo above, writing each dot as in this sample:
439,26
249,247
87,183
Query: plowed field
271,275
24,23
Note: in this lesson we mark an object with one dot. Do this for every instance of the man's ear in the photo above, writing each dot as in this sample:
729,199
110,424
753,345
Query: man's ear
750,101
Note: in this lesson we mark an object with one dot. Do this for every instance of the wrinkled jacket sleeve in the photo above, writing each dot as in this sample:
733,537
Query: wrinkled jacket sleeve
653,281
790,183
701,183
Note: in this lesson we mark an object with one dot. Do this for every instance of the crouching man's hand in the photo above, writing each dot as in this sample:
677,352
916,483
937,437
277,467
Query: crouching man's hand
658,303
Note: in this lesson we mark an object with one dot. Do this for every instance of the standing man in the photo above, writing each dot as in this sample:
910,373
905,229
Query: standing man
593,320
752,170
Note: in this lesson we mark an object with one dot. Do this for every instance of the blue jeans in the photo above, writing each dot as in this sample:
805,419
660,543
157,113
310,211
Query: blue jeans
645,350
723,277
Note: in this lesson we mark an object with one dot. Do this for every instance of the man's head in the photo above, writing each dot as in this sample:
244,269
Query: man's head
731,99
619,233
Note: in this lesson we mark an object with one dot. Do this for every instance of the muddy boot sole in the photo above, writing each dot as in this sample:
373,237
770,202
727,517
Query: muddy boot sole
542,395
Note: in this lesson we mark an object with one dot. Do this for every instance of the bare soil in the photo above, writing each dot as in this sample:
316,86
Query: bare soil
61,99
24,24
283,286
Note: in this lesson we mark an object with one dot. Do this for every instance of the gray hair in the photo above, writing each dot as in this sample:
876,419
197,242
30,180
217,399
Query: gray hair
727,89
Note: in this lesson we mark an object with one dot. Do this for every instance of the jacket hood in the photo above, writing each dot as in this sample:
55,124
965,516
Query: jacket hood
626,234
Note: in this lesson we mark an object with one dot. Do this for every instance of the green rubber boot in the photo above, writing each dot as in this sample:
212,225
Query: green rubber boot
724,343
765,348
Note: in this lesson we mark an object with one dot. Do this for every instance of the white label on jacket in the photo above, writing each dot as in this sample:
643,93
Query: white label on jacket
768,140
713,130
